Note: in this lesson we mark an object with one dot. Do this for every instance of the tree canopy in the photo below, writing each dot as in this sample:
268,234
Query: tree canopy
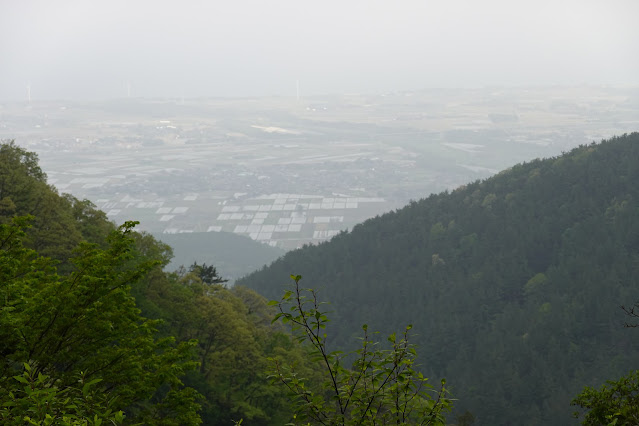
93,329
85,325
514,282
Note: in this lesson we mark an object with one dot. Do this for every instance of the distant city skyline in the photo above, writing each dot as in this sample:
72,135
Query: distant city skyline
72,49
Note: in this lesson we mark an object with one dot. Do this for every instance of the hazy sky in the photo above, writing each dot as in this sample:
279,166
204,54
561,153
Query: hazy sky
91,49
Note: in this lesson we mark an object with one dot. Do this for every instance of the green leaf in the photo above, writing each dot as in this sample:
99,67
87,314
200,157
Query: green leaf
21,379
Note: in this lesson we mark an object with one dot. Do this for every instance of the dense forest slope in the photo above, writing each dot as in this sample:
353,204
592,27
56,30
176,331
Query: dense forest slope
60,221
92,328
513,284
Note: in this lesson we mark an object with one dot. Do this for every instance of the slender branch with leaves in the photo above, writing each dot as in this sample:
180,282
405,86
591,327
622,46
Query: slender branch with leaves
380,388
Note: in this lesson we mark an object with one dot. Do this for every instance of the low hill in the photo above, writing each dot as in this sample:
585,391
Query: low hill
233,255
513,284
74,314
61,221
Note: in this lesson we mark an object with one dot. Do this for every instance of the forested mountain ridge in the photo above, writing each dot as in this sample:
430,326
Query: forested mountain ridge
513,284
60,221
98,332
92,329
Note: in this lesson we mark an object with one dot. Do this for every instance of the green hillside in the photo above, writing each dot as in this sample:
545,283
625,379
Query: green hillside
513,284
60,221
233,255
94,331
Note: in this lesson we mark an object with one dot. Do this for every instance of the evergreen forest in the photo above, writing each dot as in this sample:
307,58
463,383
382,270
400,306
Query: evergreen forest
518,290
513,284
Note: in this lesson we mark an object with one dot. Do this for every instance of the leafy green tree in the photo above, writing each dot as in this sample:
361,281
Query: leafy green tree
617,401
207,273
234,334
381,387
92,223
86,323
40,401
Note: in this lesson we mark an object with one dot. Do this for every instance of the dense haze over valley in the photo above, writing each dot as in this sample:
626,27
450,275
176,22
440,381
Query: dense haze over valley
288,122
96,50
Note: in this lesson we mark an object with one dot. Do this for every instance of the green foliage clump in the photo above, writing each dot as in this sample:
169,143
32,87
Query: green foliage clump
234,339
62,334
41,402
381,387
615,403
